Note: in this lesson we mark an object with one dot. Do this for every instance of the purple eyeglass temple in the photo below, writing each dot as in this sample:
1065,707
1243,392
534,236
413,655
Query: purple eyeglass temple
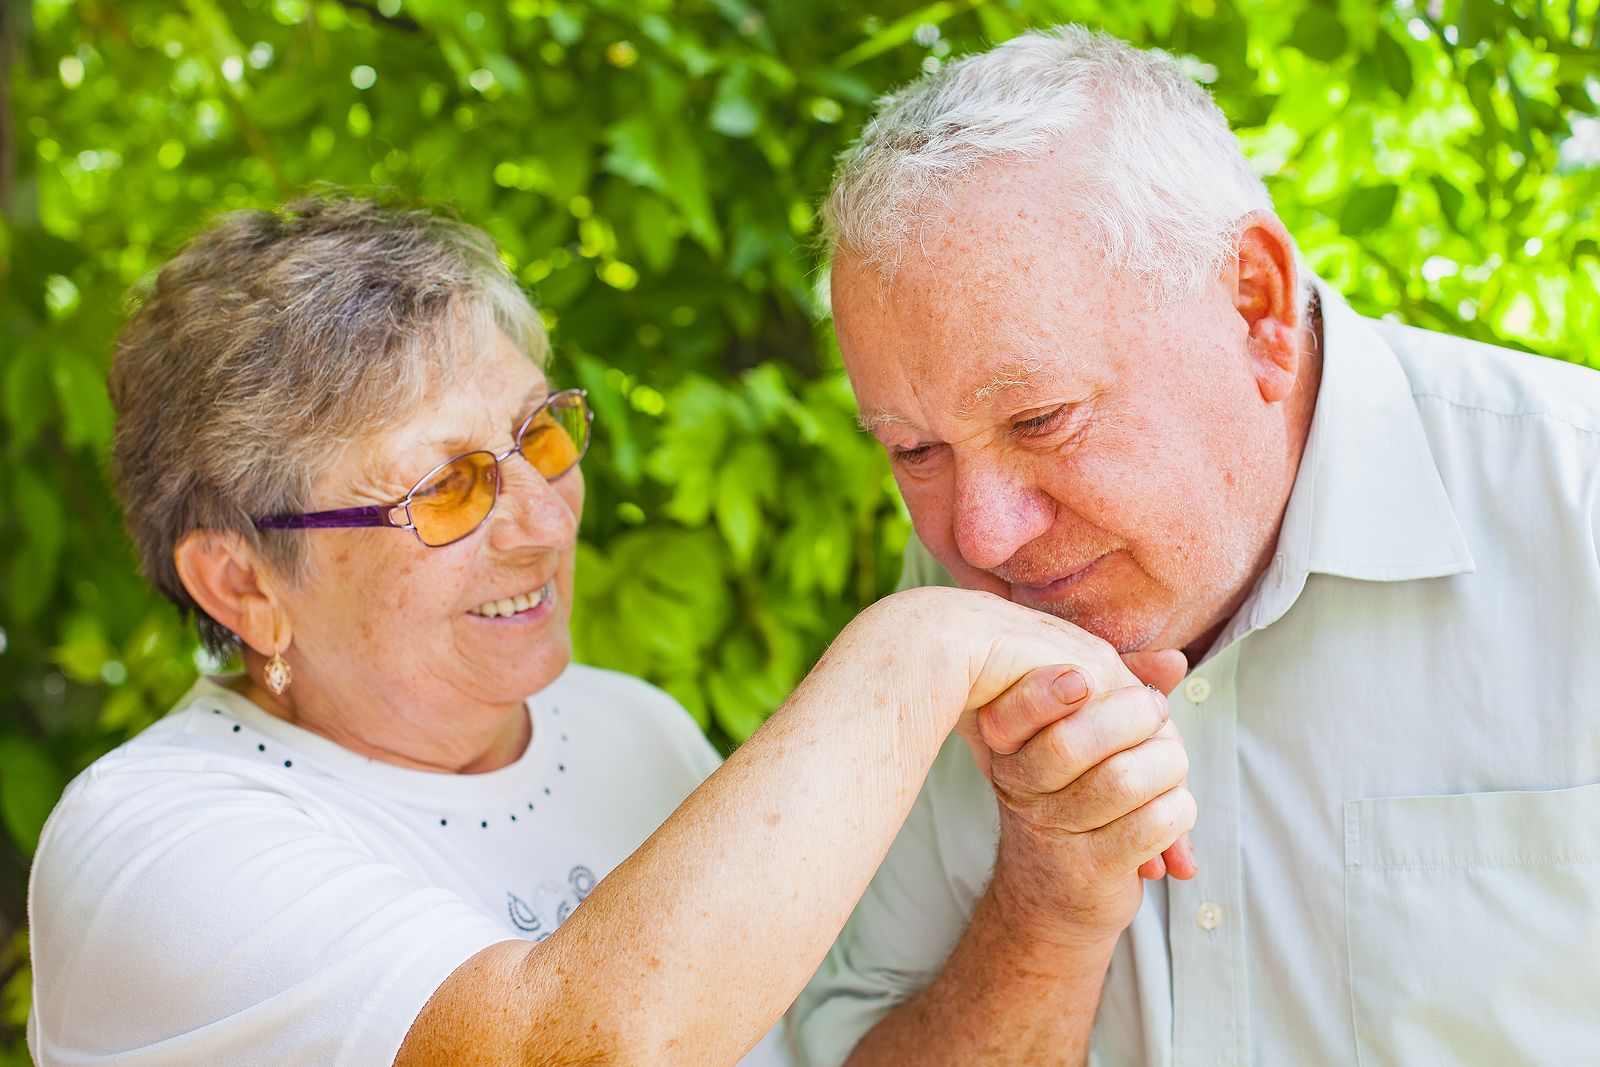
342,518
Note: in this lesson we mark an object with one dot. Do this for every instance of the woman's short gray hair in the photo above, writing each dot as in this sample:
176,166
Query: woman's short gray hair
1161,179
272,340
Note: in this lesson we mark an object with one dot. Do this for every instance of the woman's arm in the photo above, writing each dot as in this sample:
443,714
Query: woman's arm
691,949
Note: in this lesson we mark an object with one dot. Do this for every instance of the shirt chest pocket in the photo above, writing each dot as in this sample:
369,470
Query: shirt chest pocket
1473,925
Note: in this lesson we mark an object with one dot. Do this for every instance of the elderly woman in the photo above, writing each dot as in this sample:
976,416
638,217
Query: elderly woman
411,832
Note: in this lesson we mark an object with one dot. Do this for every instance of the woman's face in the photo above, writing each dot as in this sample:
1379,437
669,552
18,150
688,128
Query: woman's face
383,621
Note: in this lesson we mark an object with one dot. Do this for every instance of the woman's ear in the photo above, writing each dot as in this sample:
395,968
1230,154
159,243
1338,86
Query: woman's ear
1265,296
225,577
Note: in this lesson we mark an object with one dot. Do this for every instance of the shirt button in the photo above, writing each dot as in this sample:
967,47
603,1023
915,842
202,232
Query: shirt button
1208,915
1197,689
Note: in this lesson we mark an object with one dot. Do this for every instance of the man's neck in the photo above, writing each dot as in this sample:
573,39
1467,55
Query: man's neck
1299,409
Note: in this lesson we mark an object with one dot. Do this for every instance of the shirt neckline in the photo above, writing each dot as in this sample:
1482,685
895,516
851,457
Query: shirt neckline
315,753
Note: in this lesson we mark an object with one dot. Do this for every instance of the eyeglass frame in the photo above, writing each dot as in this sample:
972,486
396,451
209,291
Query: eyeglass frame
384,514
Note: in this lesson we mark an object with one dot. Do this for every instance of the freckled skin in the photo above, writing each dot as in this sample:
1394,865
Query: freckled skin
386,659
1169,472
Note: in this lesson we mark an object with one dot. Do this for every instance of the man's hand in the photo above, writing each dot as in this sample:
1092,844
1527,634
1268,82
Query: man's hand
1092,792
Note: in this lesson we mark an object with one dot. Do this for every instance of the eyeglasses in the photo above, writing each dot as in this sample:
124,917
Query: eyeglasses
454,499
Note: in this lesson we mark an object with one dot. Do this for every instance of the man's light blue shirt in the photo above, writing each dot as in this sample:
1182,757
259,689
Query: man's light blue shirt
1394,745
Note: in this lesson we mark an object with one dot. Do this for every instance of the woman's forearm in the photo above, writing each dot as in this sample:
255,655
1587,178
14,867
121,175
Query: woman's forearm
718,920
692,948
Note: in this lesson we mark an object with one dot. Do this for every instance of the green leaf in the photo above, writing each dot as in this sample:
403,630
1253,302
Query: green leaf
33,568
1367,208
285,99
663,159
901,30
1394,62
1451,199
27,397
652,222
1476,22
745,481
734,111
30,784
1319,33
81,393
1481,83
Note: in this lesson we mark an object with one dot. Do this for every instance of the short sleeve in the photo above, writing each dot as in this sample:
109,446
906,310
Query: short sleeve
913,913
202,918
918,568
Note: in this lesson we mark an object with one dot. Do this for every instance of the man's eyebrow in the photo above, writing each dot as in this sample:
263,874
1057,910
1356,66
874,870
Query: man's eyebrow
1012,375
871,419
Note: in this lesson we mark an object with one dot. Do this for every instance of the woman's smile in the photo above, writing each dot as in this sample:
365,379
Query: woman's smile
534,605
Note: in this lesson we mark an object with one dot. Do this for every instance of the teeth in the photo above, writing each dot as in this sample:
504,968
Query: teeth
508,606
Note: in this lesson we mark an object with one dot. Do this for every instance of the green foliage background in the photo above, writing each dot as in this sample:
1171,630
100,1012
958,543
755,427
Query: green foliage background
651,170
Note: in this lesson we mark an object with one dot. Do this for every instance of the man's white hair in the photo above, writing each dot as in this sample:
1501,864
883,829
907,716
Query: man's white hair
1157,173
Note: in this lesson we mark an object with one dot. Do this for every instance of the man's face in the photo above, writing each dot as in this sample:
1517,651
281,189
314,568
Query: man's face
1056,440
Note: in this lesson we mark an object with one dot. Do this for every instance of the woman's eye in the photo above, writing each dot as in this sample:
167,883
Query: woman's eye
1038,424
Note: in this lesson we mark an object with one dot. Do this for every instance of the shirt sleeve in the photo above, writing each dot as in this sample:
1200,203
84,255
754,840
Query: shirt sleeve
918,568
203,918
913,913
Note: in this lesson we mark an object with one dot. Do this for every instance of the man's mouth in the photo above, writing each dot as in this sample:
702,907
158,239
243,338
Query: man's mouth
1055,585
505,607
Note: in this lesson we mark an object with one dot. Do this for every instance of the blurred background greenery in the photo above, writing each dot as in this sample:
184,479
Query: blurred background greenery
651,170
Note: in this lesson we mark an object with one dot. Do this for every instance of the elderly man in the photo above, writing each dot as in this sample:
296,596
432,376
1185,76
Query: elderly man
1110,391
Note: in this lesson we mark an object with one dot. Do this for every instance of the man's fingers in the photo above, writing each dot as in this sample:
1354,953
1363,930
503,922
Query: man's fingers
1038,699
1061,752
1179,859
1163,668
1121,783
1144,834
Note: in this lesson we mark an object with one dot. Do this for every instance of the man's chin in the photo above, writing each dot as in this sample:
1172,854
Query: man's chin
1123,632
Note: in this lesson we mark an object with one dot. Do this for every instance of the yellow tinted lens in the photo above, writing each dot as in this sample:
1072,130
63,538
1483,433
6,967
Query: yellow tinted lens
458,496
556,437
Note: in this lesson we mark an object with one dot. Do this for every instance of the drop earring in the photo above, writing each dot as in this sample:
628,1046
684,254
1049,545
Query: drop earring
277,674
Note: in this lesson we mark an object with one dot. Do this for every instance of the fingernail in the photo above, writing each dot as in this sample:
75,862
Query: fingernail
1070,687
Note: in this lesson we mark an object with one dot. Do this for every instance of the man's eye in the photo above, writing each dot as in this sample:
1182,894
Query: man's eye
911,456
1038,424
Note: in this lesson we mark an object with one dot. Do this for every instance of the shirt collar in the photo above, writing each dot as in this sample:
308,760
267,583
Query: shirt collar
1367,502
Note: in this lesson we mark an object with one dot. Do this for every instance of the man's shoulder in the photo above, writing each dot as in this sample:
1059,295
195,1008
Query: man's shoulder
1466,376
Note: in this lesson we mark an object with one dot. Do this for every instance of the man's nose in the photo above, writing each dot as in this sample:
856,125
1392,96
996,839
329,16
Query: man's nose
530,510
998,510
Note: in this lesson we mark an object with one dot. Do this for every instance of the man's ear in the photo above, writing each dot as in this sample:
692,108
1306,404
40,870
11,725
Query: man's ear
1265,285
225,577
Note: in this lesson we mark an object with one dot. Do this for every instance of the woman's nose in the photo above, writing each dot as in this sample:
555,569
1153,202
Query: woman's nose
531,510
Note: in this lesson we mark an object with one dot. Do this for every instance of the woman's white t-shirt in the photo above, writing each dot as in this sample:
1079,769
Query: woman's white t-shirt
228,888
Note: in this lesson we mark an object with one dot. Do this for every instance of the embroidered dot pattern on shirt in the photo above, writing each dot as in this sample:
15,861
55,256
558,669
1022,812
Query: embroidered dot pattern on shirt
443,822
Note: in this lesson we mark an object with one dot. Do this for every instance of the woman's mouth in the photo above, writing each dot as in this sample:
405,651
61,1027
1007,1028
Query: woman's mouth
505,607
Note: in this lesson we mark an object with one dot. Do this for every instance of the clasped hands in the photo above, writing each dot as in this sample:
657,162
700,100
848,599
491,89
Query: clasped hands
1091,777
